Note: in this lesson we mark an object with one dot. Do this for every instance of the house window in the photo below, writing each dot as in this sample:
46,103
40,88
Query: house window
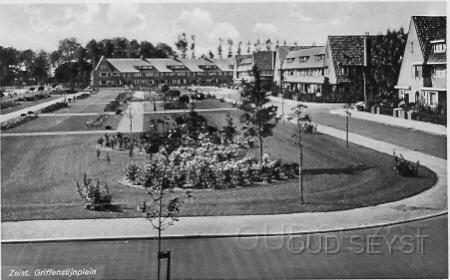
103,74
439,48
418,71
289,60
103,68
319,57
439,72
303,58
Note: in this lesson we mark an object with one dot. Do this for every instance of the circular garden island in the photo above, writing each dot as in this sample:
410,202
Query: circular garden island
206,156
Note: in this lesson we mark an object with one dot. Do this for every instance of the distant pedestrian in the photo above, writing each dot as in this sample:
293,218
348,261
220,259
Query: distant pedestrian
108,158
97,148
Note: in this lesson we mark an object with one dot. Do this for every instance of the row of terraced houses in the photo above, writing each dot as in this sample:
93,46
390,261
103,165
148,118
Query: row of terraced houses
326,70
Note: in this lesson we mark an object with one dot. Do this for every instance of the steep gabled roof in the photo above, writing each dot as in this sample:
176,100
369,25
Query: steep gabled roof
292,60
263,60
193,64
427,28
224,64
162,64
347,50
127,65
284,50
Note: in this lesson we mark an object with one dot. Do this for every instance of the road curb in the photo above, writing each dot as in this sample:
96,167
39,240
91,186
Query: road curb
197,236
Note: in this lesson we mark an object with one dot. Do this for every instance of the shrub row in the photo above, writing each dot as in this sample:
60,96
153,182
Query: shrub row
54,107
175,105
112,106
12,123
83,96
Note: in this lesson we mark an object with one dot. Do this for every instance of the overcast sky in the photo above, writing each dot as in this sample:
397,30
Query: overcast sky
41,26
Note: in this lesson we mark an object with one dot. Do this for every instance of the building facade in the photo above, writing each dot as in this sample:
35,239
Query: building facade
264,62
115,72
423,73
305,71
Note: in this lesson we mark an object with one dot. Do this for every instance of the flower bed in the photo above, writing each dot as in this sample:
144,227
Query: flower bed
97,122
12,123
204,164
54,107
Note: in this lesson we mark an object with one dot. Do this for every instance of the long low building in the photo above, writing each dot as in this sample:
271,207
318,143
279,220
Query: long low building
115,72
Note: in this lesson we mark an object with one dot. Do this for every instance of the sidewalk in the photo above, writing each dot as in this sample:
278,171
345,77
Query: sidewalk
426,204
137,118
389,120
174,111
35,108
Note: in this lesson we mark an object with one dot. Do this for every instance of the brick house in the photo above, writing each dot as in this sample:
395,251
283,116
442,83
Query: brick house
263,60
345,58
114,72
226,67
304,71
280,55
423,74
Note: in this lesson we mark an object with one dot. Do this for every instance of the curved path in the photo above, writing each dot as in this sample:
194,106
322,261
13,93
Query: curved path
426,204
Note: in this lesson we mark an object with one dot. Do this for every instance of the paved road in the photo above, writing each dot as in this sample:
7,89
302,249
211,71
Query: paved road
411,250
36,108
57,133
414,140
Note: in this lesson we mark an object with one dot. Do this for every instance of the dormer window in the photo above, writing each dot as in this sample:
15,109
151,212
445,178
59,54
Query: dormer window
303,58
319,57
439,47
290,60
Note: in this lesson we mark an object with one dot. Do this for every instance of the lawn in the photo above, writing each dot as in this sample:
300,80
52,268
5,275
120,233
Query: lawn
38,176
64,123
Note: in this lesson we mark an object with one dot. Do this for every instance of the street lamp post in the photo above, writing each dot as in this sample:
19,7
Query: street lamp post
347,115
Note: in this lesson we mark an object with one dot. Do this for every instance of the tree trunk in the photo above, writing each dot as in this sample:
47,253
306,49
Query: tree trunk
300,163
260,146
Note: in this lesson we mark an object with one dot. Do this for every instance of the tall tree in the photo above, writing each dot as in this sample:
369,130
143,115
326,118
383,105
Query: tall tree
93,51
182,44
120,47
165,51
269,44
133,49
219,48
210,55
303,121
147,50
68,49
257,45
258,119
230,48
40,67
193,46
386,52
106,47
239,48
9,59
